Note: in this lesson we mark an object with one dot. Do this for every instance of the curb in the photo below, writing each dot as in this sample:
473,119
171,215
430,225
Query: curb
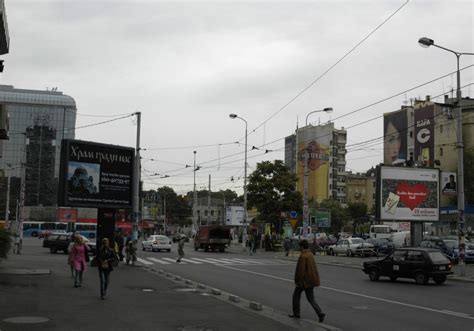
23,271
247,305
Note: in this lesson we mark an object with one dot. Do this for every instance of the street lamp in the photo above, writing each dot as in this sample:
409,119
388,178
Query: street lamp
427,42
244,236
306,160
194,195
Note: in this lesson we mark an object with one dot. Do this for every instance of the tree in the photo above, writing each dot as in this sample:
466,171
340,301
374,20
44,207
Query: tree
272,189
178,209
339,215
358,213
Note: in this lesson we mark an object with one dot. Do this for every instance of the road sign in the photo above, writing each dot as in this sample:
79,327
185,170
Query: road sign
293,214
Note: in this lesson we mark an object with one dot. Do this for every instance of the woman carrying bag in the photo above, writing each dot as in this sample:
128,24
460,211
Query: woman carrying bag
106,259
79,259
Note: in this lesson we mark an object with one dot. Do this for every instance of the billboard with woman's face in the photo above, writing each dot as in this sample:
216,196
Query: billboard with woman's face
395,137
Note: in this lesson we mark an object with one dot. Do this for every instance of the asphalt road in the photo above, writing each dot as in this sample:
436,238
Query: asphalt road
350,300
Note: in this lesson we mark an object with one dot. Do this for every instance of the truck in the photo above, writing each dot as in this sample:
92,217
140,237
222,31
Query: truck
212,237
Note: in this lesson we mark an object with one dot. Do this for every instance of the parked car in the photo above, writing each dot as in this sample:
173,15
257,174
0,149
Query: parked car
60,242
469,253
381,245
437,243
156,243
351,246
328,241
418,263
45,233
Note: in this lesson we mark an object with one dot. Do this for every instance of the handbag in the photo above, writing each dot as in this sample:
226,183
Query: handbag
86,254
94,262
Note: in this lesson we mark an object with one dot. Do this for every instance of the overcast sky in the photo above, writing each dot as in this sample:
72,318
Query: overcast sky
186,65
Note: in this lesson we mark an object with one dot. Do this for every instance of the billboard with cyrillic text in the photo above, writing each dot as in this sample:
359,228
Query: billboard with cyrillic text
95,175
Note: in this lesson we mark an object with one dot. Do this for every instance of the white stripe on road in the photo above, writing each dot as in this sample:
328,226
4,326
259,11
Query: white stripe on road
145,262
157,261
191,261
233,261
217,261
213,262
171,260
446,312
249,261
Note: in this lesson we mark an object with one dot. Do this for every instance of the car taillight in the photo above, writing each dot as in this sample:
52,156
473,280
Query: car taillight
155,242
449,266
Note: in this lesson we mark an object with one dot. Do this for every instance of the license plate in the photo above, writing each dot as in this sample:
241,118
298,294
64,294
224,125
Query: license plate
163,243
442,267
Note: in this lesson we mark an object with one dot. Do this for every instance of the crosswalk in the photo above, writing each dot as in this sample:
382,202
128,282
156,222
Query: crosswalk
213,261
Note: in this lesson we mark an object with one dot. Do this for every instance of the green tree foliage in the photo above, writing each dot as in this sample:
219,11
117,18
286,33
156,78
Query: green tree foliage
272,189
357,210
178,209
339,214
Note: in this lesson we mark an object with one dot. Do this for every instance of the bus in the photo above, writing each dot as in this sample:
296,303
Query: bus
35,229
88,230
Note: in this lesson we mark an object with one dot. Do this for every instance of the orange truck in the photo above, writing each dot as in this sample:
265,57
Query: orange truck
212,237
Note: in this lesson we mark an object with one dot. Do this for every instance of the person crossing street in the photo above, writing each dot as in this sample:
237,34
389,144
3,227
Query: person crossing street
181,242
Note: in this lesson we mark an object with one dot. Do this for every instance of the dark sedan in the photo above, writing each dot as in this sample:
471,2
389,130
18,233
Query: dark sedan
418,263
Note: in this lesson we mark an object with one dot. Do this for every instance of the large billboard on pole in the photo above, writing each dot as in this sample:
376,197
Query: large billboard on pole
408,194
95,175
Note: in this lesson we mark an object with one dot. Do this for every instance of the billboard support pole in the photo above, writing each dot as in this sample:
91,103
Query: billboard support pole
136,182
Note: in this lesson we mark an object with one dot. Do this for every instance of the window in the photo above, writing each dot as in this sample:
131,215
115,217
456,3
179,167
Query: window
399,256
205,213
415,256
441,128
212,212
441,151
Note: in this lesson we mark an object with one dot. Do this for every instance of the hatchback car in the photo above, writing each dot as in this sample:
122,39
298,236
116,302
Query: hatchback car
381,245
418,263
156,243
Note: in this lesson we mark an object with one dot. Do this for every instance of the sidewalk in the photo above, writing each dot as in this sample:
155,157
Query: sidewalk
45,299
357,263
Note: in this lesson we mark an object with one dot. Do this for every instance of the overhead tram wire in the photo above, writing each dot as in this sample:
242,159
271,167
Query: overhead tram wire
357,110
329,69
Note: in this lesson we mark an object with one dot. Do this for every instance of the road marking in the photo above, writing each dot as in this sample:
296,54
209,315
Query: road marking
446,312
217,261
249,261
212,262
233,261
157,261
145,262
171,260
191,261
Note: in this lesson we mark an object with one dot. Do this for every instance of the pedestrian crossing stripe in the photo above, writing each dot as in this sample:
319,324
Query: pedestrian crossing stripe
216,261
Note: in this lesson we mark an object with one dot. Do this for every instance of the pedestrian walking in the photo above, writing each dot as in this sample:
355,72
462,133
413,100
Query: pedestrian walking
119,241
306,279
131,251
287,245
106,259
70,259
181,242
251,242
79,257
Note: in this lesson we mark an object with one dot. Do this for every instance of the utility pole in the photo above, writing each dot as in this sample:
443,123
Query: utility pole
136,181
7,210
194,195
164,215
209,202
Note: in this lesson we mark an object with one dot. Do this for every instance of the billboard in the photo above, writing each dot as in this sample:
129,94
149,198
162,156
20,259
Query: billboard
448,183
67,215
322,218
424,134
95,175
408,194
395,137
234,215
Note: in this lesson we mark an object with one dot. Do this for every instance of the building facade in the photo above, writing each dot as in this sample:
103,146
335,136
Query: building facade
326,149
361,188
39,120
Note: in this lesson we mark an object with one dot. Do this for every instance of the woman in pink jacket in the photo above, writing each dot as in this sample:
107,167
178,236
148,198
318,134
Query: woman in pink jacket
78,257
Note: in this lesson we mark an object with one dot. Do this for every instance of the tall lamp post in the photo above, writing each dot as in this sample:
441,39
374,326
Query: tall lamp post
194,196
305,173
427,42
244,235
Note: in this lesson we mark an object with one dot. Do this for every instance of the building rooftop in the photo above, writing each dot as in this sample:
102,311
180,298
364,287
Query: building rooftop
10,94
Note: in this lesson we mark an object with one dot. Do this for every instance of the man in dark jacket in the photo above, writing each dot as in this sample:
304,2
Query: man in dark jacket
306,279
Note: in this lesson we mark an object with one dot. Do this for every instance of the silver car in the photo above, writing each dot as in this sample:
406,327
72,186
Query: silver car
156,243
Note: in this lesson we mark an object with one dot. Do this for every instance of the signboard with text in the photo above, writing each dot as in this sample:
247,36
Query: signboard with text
95,175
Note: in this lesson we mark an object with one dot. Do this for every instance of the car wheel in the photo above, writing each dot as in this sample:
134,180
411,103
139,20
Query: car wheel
53,250
331,251
195,248
374,274
439,279
143,247
65,251
168,250
393,278
349,253
421,278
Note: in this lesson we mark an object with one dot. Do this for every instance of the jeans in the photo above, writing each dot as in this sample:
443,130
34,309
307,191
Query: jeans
78,278
104,275
309,295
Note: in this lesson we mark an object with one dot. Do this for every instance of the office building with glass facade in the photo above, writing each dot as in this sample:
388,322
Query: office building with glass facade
39,120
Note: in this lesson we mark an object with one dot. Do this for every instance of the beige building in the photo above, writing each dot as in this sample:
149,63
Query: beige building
361,188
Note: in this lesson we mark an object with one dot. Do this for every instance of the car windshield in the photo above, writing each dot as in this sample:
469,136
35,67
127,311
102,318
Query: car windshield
357,240
162,238
437,257
452,244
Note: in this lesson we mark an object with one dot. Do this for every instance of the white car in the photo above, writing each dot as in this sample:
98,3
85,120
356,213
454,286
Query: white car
157,242
351,246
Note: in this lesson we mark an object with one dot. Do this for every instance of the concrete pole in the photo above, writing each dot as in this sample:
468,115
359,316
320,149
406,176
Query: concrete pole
164,216
136,182
194,196
209,202
7,209
245,191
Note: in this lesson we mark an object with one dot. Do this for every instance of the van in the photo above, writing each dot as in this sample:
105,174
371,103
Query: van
380,231
400,239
